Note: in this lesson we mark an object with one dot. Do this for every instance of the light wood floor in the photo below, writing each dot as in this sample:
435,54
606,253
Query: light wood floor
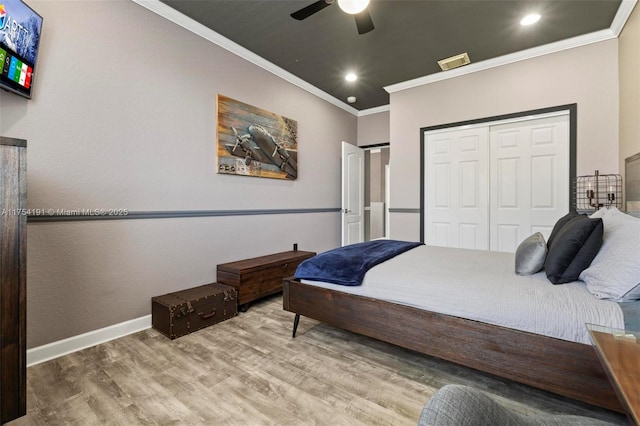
249,371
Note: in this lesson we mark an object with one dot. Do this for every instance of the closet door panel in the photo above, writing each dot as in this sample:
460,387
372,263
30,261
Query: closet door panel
456,196
543,182
529,191
507,185
442,185
469,184
441,234
490,186
506,237
468,235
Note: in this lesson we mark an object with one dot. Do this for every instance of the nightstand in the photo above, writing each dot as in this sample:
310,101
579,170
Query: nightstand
619,352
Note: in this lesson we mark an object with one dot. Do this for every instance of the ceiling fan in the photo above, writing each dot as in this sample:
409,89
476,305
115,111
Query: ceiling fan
357,8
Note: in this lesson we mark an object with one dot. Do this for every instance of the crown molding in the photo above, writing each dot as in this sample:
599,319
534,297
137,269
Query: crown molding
375,110
505,60
624,11
197,28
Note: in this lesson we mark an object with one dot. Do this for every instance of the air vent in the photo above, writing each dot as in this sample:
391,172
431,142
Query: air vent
454,61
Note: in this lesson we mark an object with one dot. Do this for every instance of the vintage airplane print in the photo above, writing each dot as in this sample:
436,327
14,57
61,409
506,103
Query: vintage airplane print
255,142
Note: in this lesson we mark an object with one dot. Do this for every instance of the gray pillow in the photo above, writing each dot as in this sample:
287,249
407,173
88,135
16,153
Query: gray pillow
531,254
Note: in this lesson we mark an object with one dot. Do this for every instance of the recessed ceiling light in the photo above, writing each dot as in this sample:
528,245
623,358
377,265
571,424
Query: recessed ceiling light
351,77
351,99
530,19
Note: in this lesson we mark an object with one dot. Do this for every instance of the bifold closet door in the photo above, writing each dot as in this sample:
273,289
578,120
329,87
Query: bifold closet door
456,189
529,179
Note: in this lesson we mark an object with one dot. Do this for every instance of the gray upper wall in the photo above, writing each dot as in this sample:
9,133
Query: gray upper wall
373,129
587,76
123,116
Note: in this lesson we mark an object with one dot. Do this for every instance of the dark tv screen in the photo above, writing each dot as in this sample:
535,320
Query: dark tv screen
20,28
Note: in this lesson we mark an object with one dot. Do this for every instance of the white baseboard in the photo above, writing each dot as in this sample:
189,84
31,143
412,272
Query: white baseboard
82,341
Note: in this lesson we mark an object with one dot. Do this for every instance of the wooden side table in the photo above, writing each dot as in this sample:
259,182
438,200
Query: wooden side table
260,276
619,352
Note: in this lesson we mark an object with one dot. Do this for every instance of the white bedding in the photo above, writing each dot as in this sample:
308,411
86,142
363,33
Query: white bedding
483,286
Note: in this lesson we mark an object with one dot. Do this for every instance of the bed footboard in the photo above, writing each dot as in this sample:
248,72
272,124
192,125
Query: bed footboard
566,368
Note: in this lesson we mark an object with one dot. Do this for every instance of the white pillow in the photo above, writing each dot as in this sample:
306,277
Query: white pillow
614,273
598,214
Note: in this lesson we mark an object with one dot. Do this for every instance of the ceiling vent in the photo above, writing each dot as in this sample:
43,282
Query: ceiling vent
454,61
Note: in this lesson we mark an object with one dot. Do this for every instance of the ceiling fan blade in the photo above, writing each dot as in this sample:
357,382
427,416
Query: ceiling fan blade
364,22
305,12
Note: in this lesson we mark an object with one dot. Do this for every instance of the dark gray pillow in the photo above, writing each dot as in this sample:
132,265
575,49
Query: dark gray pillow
558,226
573,249
531,254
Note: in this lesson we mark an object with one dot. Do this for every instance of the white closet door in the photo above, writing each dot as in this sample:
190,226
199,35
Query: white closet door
529,179
456,196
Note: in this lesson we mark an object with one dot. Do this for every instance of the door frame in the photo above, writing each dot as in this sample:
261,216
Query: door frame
387,200
367,186
347,215
573,126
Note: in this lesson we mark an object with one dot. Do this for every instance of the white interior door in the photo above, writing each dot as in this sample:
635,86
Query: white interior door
352,194
529,163
456,182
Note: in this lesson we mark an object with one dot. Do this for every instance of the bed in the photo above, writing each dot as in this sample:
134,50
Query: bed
537,353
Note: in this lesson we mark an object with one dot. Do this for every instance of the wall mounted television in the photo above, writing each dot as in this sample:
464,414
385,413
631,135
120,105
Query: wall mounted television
20,28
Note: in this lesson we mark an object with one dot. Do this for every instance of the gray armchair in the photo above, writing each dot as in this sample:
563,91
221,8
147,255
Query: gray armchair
456,405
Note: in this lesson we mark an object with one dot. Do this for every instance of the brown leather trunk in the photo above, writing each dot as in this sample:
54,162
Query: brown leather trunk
183,312
260,276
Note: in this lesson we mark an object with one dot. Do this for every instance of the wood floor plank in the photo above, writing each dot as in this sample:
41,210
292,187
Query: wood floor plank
359,379
328,388
249,371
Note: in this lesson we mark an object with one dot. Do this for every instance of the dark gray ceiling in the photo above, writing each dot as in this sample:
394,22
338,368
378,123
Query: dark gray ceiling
408,40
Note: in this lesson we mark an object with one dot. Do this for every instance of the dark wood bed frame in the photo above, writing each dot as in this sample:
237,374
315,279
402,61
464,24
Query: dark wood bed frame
559,366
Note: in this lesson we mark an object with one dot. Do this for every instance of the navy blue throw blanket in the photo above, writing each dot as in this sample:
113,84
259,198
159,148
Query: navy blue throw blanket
347,265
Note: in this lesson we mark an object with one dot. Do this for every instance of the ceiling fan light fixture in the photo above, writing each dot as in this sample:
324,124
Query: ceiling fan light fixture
353,7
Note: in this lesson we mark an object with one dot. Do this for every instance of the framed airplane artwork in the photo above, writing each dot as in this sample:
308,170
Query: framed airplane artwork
255,142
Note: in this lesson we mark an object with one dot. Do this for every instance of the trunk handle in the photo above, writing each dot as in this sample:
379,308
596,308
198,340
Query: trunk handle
207,316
